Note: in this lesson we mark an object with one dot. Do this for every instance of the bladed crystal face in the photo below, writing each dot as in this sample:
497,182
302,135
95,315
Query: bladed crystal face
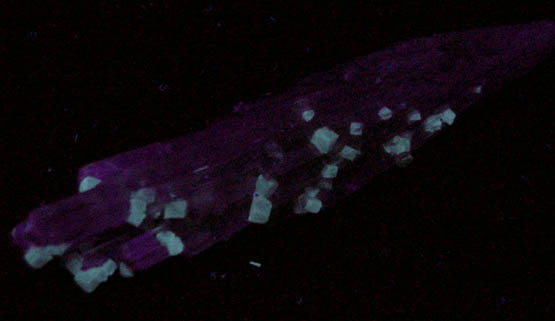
284,155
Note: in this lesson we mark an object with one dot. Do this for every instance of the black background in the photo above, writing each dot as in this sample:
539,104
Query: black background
461,234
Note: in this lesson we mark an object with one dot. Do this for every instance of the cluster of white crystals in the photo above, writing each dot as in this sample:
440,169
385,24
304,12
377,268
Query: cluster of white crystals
324,139
89,279
38,256
307,202
138,203
261,206
434,122
448,116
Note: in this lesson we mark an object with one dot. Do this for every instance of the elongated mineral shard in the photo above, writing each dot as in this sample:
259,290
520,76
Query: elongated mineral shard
255,264
313,205
433,123
115,220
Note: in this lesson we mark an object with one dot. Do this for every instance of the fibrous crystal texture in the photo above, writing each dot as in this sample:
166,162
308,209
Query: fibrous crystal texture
285,155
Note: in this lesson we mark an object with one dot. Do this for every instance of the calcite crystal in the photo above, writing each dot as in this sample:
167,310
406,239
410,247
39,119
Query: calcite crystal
298,151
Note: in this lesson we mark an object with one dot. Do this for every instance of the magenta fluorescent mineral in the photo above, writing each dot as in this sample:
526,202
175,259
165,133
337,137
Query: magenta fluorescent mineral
298,152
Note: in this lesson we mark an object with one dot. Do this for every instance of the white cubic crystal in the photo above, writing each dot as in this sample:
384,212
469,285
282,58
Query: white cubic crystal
260,210
175,209
88,183
414,116
38,256
171,242
397,145
137,212
323,139
448,116
89,279
146,194
349,153
265,187
356,129
313,205
329,171
138,203
308,115
433,123
385,113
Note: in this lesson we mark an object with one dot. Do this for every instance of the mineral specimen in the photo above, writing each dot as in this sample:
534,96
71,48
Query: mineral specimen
298,151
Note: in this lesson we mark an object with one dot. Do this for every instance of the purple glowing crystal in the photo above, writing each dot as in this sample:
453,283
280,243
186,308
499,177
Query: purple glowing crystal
282,156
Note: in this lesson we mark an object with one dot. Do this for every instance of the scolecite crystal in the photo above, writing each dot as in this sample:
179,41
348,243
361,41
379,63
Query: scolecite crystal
297,152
